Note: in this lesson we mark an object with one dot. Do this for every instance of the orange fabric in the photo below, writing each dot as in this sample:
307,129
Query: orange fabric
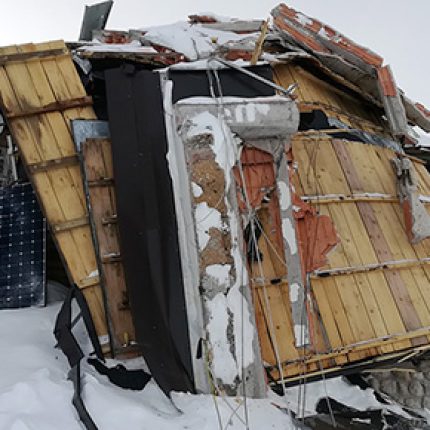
316,235
259,174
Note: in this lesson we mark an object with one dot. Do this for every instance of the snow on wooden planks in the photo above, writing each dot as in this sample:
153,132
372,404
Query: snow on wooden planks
40,93
98,171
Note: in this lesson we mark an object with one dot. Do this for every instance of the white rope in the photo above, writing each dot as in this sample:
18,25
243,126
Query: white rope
220,119
252,219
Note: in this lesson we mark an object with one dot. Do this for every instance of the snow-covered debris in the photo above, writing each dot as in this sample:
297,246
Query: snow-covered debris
36,395
216,17
424,140
134,47
194,41
342,391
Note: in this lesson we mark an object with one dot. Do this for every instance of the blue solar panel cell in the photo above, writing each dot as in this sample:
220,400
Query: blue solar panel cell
22,248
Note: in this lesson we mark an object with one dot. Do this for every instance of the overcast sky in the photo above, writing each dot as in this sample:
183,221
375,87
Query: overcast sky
396,29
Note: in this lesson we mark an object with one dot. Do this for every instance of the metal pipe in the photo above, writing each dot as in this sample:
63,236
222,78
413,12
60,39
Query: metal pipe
288,91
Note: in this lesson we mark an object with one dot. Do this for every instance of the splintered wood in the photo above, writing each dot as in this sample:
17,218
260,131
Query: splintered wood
40,94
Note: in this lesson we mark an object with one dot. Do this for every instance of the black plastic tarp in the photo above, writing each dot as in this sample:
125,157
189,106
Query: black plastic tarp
147,224
198,83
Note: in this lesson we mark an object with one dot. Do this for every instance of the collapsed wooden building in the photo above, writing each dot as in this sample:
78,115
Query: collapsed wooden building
241,203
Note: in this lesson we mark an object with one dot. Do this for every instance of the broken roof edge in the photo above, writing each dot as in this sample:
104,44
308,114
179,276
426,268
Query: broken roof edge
353,65
323,41
416,113
339,78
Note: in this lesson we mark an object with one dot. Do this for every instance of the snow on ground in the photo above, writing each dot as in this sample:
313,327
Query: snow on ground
36,395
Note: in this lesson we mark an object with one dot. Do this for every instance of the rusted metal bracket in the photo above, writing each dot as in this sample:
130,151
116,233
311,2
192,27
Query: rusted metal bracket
70,225
53,107
55,163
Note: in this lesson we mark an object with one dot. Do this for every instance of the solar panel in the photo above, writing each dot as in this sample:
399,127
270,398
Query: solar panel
22,248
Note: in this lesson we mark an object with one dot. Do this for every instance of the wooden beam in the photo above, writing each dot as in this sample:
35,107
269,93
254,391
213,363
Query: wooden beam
111,258
259,43
91,281
53,107
35,55
359,346
70,224
401,264
101,182
112,219
56,163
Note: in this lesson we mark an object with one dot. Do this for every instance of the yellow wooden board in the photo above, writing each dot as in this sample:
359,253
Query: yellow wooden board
363,313
40,92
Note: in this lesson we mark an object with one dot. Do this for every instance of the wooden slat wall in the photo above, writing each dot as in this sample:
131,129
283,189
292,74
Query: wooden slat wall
364,314
363,307
315,93
98,171
32,81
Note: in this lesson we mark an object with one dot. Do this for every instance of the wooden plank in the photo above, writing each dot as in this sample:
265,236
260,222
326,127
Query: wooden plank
345,302
53,107
396,264
365,318
97,164
25,57
275,305
395,281
385,296
264,336
55,163
70,224
46,136
372,343
383,174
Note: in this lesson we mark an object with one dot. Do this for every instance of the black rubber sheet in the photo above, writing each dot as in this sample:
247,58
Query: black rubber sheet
196,83
147,224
